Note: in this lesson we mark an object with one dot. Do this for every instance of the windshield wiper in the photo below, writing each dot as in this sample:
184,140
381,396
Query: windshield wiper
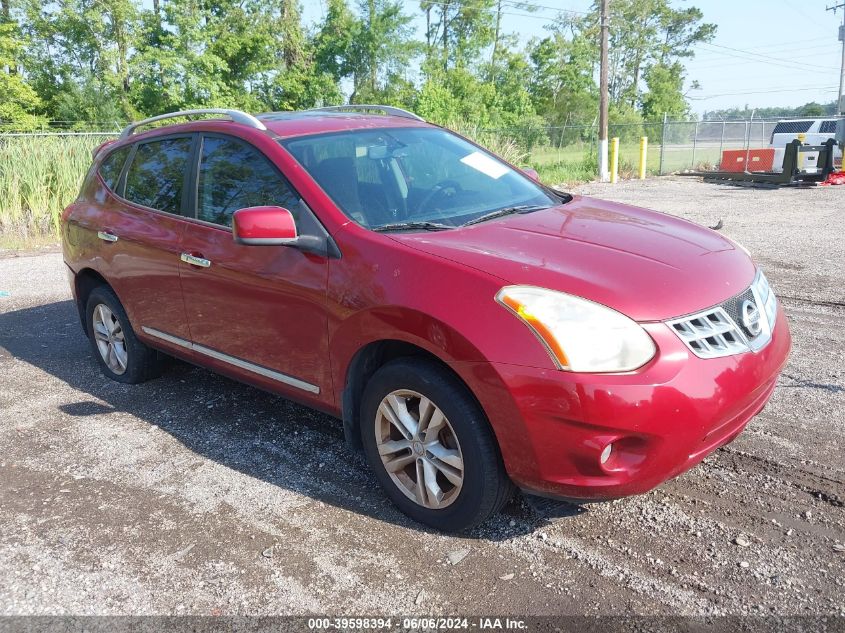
426,226
524,208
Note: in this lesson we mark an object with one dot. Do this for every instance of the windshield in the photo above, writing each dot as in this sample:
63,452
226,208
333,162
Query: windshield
390,177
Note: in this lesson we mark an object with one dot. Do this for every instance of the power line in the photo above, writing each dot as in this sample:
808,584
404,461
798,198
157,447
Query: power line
542,6
751,55
774,61
801,12
692,67
455,3
713,55
825,89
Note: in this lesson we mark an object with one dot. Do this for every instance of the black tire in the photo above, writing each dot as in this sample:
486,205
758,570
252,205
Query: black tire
142,363
486,486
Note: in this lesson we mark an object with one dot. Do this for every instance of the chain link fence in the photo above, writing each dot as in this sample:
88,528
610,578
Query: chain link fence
673,146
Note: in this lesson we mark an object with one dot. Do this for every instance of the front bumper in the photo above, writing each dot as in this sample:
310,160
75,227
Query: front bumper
662,419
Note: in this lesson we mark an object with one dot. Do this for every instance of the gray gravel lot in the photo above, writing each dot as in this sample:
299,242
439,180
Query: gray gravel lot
195,494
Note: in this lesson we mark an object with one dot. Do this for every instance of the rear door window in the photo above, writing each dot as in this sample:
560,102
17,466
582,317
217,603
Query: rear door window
112,166
156,177
234,175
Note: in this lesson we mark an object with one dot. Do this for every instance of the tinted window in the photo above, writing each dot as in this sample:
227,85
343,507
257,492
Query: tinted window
157,174
112,165
792,127
235,176
827,127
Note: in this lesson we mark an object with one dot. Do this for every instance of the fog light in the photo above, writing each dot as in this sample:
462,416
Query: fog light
605,454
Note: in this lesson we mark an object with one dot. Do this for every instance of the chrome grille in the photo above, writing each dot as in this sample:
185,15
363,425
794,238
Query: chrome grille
733,307
724,330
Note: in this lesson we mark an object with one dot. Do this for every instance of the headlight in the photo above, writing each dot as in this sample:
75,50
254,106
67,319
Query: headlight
580,335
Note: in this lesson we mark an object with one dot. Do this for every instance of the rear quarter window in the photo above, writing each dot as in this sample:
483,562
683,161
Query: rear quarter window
827,127
111,167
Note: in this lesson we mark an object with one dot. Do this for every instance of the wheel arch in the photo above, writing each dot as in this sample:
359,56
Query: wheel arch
84,283
369,359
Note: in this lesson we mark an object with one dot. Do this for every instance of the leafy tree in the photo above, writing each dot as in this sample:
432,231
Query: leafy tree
373,49
458,30
79,49
642,33
665,92
18,100
813,109
335,41
562,84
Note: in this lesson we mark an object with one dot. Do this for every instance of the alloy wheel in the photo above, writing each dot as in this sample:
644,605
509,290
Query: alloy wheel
109,336
419,449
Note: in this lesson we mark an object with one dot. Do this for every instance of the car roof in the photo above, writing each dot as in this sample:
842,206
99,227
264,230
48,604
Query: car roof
278,124
289,124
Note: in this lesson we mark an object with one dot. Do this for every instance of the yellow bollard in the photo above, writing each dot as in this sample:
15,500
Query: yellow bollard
614,159
803,139
643,156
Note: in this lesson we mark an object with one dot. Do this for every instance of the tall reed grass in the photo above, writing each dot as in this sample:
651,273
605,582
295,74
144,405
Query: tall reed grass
40,176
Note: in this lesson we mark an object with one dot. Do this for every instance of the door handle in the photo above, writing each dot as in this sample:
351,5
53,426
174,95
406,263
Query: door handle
195,261
106,236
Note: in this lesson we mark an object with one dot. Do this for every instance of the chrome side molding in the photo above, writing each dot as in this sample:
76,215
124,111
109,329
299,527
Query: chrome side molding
232,360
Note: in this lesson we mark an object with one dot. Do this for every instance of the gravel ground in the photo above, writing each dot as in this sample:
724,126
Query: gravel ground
194,494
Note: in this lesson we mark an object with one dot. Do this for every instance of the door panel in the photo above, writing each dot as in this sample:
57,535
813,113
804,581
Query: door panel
261,304
145,269
140,246
251,306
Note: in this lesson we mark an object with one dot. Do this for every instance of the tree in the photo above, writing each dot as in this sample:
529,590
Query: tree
19,102
813,109
251,54
335,41
665,92
642,33
457,31
563,87
80,49
374,50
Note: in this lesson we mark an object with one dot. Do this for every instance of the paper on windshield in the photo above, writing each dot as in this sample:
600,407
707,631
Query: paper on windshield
485,165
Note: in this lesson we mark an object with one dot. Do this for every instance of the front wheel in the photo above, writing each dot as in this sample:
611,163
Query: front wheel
431,446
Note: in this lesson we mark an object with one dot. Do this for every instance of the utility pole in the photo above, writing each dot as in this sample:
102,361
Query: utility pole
604,174
839,105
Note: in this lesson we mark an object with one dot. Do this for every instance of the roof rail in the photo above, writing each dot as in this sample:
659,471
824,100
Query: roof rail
235,115
390,110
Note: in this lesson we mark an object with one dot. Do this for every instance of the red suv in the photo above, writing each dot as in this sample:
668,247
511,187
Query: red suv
474,329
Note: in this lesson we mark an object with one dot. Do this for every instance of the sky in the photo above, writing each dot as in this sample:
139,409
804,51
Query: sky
765,53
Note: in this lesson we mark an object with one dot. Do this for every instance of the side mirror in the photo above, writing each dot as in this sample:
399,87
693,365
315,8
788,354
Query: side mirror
531,173
264,226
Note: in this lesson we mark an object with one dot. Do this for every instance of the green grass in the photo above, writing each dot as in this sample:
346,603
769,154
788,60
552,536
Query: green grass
39,176
575,163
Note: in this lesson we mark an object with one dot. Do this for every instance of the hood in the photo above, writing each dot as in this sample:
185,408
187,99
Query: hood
647,265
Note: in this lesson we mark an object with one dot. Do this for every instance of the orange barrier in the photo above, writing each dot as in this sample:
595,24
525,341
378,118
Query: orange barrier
758,160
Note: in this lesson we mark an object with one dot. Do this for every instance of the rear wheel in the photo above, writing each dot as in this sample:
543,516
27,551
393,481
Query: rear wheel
431,447
121,355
